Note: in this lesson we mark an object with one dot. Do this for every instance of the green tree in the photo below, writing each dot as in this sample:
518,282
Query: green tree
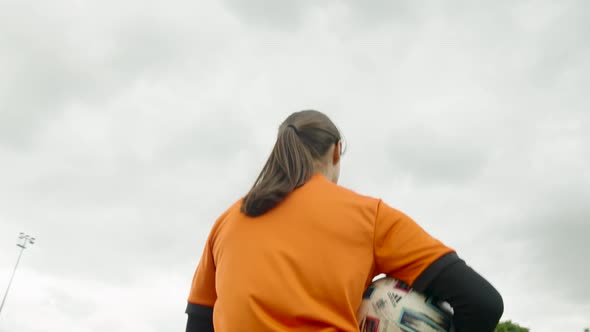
509,326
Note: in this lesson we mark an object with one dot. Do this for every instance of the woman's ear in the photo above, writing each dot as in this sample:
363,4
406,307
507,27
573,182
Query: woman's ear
336,154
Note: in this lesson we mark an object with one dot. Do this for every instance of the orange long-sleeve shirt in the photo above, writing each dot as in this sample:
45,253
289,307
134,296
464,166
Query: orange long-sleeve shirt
304,265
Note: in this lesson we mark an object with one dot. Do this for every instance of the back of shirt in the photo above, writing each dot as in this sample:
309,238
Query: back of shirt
304,265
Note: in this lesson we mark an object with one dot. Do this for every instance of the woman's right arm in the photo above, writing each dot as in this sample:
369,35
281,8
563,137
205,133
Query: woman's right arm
477,305
405,251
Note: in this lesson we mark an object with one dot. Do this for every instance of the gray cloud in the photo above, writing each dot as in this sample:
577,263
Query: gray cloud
273,14
430,157
52,61
556,235
123,210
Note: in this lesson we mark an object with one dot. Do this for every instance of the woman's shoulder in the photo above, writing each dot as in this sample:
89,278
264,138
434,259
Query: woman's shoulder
352,194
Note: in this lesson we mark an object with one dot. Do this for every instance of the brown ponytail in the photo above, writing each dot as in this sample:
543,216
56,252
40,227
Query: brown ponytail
303,137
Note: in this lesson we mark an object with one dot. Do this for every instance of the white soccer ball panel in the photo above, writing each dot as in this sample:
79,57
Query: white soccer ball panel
391,306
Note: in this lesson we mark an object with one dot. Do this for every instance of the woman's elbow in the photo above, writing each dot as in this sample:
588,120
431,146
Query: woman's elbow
491,308
496,308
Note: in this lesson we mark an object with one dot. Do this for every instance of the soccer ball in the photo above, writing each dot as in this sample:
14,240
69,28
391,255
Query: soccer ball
390,305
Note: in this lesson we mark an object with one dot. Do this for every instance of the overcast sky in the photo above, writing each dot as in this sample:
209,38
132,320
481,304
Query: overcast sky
127,127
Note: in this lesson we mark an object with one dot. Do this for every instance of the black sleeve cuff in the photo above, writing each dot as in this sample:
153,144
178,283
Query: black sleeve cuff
477,305
199,310
431,272
200,318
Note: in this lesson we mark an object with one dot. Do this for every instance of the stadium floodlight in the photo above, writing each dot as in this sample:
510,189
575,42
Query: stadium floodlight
26,239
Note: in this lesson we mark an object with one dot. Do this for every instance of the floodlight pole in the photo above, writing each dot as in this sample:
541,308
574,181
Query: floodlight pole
26,240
